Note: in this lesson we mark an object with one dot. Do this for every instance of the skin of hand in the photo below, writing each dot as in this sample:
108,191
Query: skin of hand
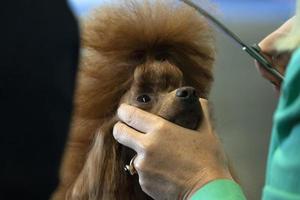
172,162
278,59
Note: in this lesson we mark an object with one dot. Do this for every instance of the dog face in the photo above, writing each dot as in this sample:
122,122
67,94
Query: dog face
159,87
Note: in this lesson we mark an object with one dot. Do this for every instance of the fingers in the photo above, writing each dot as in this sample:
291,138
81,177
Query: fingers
127,136
267,75
267,44
278,59
138,119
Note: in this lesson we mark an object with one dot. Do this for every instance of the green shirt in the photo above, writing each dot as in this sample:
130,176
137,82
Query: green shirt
283,169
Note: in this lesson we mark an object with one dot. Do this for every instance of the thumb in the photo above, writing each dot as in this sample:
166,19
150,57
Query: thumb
205,125
205,107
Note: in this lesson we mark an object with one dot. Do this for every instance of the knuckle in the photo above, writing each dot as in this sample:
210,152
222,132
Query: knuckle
116,129
142,145
161,126
148,147
139,166
119,128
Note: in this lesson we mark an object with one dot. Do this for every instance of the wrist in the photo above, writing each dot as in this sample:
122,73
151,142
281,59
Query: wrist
204,180
220,189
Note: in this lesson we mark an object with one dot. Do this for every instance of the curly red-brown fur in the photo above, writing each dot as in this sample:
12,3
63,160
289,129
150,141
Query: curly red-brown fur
116,38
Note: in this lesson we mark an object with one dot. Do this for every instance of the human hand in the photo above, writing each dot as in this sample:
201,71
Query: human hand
172,162
279,59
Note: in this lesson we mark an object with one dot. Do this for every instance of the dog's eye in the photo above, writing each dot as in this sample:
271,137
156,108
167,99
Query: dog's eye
143,98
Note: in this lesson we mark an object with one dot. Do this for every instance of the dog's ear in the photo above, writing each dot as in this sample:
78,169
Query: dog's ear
102,82
101,167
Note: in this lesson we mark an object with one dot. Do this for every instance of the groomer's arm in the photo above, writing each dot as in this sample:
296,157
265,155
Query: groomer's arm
220,189
173,162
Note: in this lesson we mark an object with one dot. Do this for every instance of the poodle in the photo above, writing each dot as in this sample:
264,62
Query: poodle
153,54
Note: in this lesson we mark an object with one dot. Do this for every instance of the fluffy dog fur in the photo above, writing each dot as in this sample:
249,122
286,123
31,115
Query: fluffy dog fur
127,46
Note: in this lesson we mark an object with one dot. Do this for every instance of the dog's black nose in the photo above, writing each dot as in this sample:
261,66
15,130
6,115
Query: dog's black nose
186,93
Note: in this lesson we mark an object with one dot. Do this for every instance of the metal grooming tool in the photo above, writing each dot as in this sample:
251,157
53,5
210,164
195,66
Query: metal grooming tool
254,51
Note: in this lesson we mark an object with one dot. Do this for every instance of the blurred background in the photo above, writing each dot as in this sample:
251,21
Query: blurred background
243,102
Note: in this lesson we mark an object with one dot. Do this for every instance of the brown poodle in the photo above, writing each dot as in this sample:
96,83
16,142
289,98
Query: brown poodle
144,53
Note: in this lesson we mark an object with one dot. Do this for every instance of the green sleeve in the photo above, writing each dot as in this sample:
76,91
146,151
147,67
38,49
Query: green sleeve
220,189
283,171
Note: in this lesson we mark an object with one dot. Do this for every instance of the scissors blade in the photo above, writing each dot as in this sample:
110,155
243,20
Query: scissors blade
252,51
